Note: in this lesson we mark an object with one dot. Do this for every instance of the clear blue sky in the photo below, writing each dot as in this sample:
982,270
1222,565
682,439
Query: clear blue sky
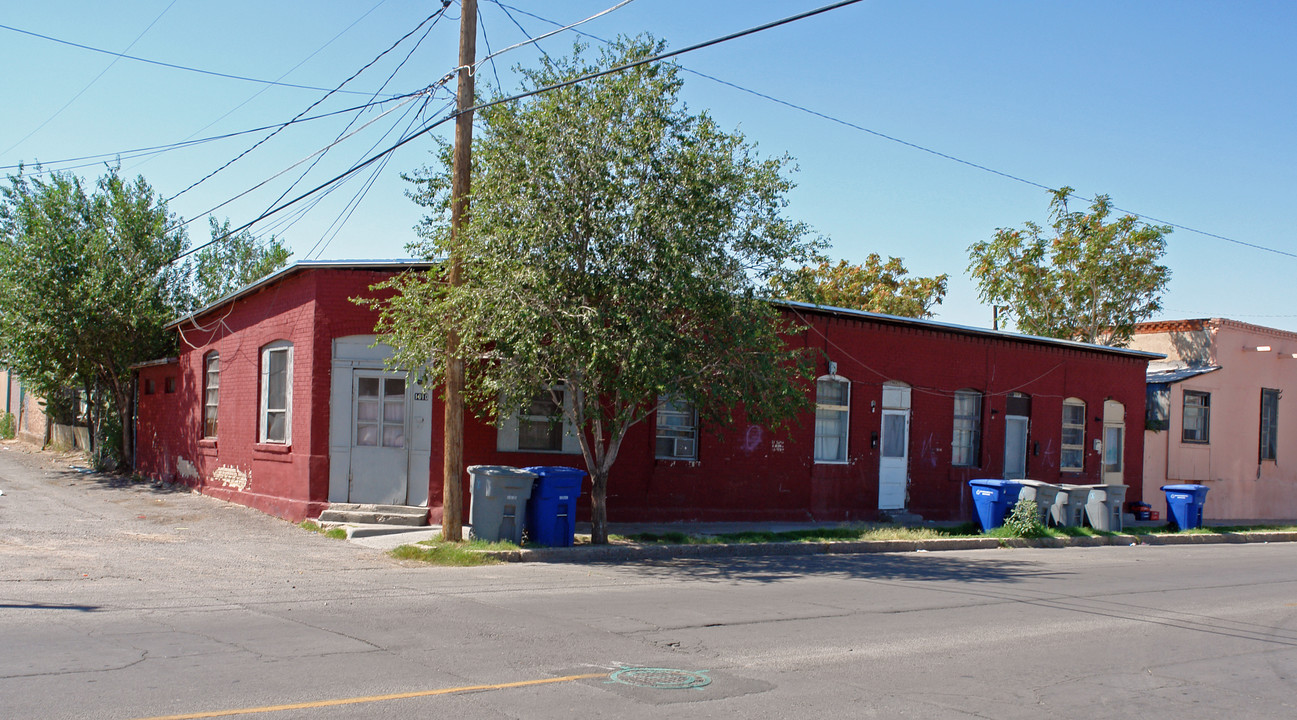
1181,111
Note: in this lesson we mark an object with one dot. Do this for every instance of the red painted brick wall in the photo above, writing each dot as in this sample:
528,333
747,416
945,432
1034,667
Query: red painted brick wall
743,472
307,308
747,472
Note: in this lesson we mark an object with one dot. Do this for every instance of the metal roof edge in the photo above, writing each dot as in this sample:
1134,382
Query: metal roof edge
151,363
965,329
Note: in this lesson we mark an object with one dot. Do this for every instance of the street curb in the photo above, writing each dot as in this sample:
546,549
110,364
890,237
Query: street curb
620,553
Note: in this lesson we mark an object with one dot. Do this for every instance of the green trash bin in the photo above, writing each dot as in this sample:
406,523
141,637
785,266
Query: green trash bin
498,505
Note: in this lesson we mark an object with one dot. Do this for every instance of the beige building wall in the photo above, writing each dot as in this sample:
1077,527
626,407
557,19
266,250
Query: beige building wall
1250,358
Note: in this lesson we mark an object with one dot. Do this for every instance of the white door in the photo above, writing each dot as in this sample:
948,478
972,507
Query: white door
893,461
1114,441
1015,447
379,451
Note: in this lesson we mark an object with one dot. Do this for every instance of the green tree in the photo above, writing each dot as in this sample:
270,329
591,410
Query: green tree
874,286
87,284
1092,281
232,262
616,254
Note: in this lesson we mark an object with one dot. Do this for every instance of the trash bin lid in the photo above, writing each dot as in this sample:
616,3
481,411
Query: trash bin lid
1188,488
500,471
556,471
995,482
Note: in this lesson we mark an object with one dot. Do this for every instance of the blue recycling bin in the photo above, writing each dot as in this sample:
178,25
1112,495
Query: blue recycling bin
992,500
1184,505
551,510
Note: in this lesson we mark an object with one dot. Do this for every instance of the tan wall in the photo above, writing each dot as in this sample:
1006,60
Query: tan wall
1242,487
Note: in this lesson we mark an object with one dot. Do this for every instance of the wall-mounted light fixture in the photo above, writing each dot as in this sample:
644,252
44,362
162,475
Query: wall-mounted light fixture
833,367
1256,348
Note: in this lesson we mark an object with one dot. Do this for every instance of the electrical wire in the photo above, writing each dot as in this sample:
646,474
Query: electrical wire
175,66
336,227
83,90
530,40
432,17
390,76
319,152
158,149
916,146
526,34
292,69
519,96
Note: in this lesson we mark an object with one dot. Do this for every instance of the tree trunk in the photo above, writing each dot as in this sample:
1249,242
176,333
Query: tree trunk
125,407
599,507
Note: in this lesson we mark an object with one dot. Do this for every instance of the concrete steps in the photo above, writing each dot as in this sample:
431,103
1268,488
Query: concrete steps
364,514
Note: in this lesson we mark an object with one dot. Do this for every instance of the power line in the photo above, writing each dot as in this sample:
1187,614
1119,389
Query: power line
519,96
173,65
83,90
530,40
916,146
156,149
291,70
390,76
442,9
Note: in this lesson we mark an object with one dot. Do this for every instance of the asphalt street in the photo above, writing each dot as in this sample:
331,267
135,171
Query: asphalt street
129,600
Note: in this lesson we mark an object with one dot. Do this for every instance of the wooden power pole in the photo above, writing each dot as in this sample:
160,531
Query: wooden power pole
452,521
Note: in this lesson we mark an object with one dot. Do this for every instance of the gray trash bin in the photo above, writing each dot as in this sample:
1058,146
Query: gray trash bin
499,502
1043,494
1069,506
1103,507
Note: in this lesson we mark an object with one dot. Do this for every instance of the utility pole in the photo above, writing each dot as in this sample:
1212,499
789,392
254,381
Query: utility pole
452,497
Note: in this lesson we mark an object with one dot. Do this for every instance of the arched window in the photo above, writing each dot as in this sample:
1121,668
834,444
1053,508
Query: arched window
832,417
277,393
1072,457
211,392
966,443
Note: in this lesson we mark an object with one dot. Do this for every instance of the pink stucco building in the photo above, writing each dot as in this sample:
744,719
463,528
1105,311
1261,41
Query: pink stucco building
1222,412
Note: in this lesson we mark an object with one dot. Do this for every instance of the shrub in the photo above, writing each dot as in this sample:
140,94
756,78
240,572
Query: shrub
8,426
1024,520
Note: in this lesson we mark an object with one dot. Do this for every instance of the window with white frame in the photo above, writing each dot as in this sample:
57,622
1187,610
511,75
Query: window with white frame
211,392
832,417
966,445
277,393
540,425
1196,424
1072,456
677,429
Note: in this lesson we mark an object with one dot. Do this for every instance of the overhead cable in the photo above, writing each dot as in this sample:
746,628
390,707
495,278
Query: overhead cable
916,146
519,96
442,9
175,66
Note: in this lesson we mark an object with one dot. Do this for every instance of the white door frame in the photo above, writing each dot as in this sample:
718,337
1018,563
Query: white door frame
894,470
1025,423
364,352
1114,421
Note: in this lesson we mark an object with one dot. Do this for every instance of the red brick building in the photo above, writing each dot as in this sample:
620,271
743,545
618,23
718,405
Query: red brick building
278,401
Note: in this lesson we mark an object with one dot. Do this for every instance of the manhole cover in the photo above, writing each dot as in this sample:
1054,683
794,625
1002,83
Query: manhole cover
660,678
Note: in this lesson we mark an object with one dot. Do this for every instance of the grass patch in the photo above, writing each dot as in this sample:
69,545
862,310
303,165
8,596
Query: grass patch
861,532
439,552
313,526
1209,529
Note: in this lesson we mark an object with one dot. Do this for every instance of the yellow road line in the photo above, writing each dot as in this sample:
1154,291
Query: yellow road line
374,698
